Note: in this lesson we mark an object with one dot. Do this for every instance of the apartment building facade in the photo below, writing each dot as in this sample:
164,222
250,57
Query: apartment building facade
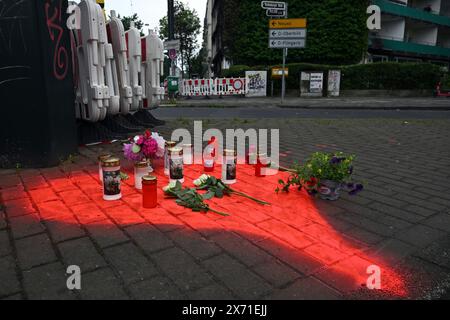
412,30
214,26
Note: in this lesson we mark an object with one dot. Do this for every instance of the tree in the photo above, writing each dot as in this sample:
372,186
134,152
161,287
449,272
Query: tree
187,29
138,23
199,66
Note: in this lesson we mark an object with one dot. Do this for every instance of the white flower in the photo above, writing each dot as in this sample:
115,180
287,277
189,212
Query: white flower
136,139
201,180
170,186
161,144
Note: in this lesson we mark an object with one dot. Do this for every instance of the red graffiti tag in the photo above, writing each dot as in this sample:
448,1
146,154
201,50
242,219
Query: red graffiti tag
60,57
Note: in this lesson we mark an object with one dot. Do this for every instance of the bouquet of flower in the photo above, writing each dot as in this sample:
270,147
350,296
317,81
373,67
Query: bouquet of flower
217,188
189,198
146,146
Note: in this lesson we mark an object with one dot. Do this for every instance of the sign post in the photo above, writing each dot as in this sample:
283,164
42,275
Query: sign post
172,47
283,78
284,33
171,25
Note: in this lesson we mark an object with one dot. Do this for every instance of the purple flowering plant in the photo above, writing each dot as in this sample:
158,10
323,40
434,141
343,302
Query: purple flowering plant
336,167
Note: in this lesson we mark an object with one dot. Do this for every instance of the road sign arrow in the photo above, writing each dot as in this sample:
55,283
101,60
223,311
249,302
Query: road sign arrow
299,33
287,43
287,23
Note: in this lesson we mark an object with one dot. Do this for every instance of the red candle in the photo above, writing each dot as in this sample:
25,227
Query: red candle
210,153
259,166
149,192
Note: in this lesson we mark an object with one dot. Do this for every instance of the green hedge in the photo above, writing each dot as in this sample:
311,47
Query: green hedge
374,76
391,76
337,32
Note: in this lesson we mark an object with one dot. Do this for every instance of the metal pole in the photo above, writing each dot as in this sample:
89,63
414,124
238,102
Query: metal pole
283,81
171,26
283,78
171,18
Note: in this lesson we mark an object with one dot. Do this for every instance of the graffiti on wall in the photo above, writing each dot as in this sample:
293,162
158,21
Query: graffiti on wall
257,83
54,19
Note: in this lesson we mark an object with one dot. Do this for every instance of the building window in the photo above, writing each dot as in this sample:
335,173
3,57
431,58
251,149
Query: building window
378,58
403,59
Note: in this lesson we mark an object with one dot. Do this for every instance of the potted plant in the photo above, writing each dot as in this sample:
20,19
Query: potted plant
325,174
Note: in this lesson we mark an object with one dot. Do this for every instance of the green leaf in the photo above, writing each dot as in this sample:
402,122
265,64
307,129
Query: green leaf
222,185
219,193
208,196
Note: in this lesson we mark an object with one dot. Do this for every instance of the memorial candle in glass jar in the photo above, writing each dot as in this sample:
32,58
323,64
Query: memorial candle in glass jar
188,157
101,158
176,166
229,167
111,179
149,192
141,169
209,155
259,167
169,145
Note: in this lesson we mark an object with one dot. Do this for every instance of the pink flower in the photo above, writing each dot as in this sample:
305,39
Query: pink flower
140,140
161,144
129,154
150,147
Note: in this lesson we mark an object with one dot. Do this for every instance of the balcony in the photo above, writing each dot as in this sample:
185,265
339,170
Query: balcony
401,46
414,13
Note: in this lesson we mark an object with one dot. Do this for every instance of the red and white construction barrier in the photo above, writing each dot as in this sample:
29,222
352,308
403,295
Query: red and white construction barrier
213,87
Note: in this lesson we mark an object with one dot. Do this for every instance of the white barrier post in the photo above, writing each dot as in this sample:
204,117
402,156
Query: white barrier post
92,92
135,63
116,34
154,60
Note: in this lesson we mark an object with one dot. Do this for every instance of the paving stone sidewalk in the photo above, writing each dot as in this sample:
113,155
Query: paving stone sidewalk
52,218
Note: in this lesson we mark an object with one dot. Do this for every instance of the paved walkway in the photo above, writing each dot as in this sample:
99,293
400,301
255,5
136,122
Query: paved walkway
352,103
52,218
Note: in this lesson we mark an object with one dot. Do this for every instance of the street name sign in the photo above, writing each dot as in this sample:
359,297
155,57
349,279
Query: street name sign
276,13
277,73
173,44
287,43
287,23
273,5
287,33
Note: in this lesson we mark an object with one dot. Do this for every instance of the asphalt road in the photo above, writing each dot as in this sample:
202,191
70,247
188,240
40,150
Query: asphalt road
277,113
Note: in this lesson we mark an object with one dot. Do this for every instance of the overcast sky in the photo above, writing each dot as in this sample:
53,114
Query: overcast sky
150,11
